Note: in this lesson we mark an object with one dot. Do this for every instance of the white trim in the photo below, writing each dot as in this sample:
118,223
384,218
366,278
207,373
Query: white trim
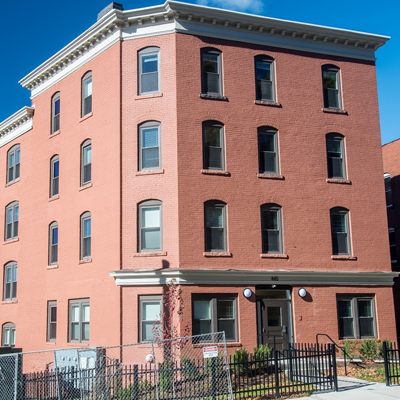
16,125
251,277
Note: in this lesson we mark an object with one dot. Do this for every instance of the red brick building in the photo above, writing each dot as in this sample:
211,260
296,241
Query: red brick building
227,151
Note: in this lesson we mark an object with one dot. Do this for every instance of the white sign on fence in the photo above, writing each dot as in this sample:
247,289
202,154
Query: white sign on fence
210,352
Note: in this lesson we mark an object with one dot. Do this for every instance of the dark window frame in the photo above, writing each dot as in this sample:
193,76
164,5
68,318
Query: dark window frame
13,171
10,287
86,101
355,315
332,100
53,246
8,326
51,322
214,319
54,177
207,148
11,228
86,167
55,117
392,246
86,241
80,303
215,204
277,209
211,51
143,300
341,211
154,203
259,82
388,189
336,137
142,127
269,131
148,51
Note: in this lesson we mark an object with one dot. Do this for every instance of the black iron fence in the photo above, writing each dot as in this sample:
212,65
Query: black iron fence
391,357
300,369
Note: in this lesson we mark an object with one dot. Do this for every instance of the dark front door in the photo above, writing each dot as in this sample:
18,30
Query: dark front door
274,323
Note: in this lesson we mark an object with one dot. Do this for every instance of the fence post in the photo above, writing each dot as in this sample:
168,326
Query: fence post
135,381
386,362
276,369
213,379
331,348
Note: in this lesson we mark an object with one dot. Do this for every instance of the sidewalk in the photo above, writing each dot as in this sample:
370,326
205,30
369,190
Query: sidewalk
356,389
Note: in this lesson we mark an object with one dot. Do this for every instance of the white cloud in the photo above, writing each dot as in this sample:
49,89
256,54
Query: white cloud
252,6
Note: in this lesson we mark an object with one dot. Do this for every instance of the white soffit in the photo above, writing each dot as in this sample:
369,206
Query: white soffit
16,125
251,277
199,20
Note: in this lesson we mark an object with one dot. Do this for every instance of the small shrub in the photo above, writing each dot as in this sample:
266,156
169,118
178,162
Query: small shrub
262,352
369,350
129,393
350,349
241,359
188,367
380,346
166,374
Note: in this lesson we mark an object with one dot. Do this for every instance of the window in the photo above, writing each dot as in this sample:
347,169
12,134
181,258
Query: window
388,189
55,113
13,163
211,72
10,281
331,85
268,162
53,243
149,70
393,247
87,93
79,320
51,321
149,146
54,175
215,314
340,231
265,85
8,334
271,228
12,217
149,315
215,226
335,156
150,233
356,317
86,162
213,145
86,235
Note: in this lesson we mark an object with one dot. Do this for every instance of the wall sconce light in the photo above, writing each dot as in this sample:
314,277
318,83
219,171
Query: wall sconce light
302,292
247,293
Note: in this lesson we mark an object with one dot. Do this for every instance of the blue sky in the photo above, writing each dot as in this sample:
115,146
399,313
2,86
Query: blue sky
32,31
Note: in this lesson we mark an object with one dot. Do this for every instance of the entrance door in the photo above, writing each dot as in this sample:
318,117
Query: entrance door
273,319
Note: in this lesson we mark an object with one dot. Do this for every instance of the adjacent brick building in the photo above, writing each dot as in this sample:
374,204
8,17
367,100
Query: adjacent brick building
224,150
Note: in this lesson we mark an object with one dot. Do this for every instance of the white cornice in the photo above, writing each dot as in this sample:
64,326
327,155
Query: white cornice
199,20
252,277
16,125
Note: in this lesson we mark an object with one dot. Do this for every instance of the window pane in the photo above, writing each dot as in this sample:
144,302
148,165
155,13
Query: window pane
87,173
210,63
52,332
264,90
87,154
270,219
10,215
213,158
150,217
147,332
57,107
332,98
225,309
338,223
87,230
150,158
149,63
151,311
201,309
364,308
56,171
53,314
215,239
346,328
339,243
274,316
330,81
87,242
366,327
214,217
212,137
85,331
344,308
75,331
75,313
7,336
201,326
272,242
16,213
211,83
263,70
151,238
229,327
54,239
150,137
86,313
267,142
150,82
88,87
267,162
11,159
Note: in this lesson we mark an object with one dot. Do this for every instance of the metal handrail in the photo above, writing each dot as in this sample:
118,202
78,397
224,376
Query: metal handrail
336,345
275,336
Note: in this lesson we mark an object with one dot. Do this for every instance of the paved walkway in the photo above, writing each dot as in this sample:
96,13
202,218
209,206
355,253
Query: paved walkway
356,389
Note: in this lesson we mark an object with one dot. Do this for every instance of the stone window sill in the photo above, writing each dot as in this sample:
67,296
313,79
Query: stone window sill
335,111
56,133
12,182
86,186
217,254
213,96
339,181
55,197
85,261
149,254
148,96
53,266
80,344
85,117
214,172
270,176
344,258
14,301
155,172
268,103
282,256
11,241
